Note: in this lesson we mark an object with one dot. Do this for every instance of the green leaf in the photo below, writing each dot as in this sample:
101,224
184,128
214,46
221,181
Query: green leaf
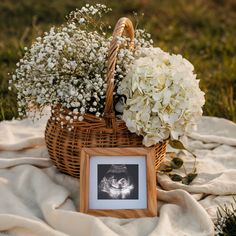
176,177
167,169
179,145
189,178
176,163
176,144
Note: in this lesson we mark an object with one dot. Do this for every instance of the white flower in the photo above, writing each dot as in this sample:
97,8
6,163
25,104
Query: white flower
163,96
67,66
82,110
81,20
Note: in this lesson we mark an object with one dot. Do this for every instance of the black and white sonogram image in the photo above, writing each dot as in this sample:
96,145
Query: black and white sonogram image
118,181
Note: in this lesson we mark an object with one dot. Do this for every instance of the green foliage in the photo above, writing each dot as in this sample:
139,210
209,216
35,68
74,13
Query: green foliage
189,178
168,168
176,163
175,177
203,31
226,221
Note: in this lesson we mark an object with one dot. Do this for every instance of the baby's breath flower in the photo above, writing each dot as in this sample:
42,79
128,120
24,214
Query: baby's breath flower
81,20
67,66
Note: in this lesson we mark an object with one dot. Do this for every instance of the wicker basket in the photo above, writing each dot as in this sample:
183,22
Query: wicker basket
64,146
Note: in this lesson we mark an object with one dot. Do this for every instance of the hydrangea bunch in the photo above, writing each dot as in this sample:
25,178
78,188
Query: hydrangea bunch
163,96
67,66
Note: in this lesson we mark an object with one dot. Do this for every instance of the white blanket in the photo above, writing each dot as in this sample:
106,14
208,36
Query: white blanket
37,200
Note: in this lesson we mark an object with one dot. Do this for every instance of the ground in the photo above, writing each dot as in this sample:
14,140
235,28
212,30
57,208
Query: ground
202,31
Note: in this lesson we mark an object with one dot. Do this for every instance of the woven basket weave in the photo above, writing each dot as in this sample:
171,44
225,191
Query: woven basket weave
64,146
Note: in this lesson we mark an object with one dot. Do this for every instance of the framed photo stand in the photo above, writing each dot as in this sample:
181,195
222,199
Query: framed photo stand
118,182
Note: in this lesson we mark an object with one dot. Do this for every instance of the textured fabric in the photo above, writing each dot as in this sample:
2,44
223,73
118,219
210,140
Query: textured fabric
35,199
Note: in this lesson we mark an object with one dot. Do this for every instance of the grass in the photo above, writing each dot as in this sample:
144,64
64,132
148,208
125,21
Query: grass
202,31
226,220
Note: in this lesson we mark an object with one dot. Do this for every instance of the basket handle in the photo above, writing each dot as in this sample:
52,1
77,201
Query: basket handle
123,25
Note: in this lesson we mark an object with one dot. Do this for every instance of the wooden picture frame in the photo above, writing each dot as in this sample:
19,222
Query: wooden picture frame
117,161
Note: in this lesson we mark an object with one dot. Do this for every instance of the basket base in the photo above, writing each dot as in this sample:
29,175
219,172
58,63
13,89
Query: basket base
64,147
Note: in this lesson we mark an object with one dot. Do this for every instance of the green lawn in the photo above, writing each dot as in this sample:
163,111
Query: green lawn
203,31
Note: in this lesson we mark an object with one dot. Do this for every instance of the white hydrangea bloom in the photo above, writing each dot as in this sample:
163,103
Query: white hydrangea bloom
163,96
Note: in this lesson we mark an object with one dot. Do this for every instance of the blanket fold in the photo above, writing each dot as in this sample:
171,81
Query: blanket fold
36,199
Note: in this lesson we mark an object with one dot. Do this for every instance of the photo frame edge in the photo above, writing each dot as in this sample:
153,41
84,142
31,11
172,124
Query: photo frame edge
151,184
151,209
84,181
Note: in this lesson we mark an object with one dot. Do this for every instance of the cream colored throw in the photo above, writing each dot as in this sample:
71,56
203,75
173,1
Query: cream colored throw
35,199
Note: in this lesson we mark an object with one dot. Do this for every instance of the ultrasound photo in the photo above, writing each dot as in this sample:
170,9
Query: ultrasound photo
117,181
